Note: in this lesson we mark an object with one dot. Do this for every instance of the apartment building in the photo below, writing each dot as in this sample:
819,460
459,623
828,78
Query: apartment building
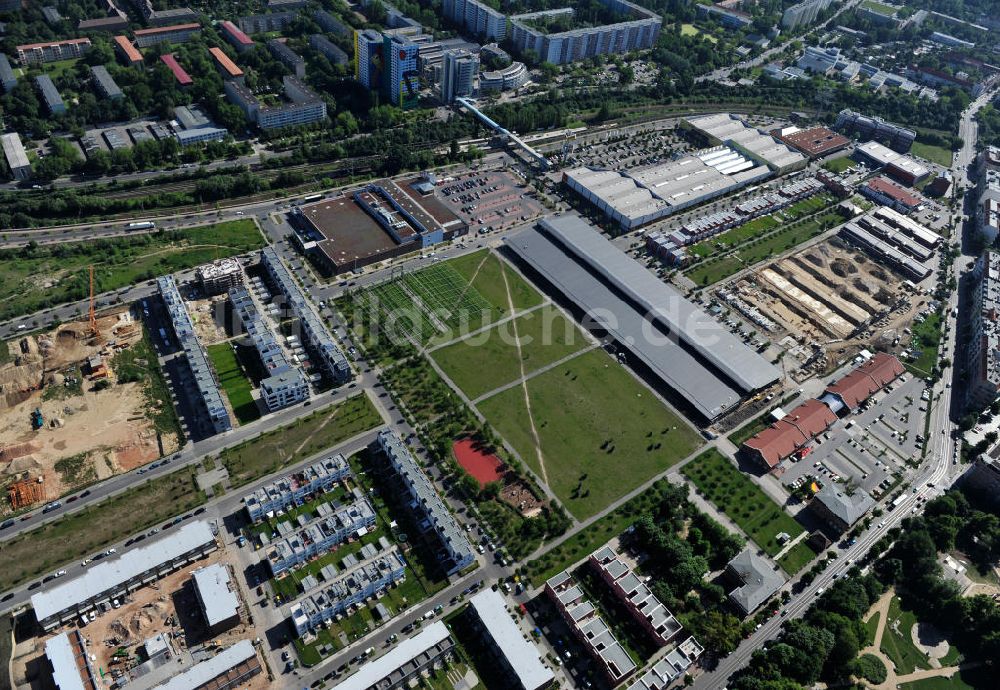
804,13
70,662
237,38
50,94
512,77
518,659
296,488
476,18
586,624
406,663
230,669
301,106
216,591
668,669
128,53
647,611
316,336
221,275
349,588
284,384
120,575
16,156
333,526
224,64
455,551
264,23
208,395
8,80
983,346
175,33
51,51
105,83
288,57
328,49
331,24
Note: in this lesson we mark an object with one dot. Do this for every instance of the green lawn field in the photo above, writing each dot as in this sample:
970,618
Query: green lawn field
35,277
743,502
935,154
839,165
601,433
233,382
898,646
485,270
487,360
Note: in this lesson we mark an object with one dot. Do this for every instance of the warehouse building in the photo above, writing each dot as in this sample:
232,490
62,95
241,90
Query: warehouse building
789,435
71,666
402,666
177,33
209,397
351,587
646,610
849,392
518,659
455,553
296,488
316,336
708,376
815,142
16,156
334,526
586,624
231,668
50,94
52,51
729,130
840,508
119,575
106,85
215,589
754,579
284,384
896,165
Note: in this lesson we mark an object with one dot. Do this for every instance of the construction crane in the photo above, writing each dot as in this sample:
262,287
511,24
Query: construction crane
93,313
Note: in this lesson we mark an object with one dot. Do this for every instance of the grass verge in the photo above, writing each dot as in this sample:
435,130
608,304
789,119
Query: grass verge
601,432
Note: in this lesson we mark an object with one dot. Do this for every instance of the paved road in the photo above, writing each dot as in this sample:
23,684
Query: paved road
940,472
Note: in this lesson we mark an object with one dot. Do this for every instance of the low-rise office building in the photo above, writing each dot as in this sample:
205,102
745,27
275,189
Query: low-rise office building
16,156
176,33
882,191
509,78
120,575
402,666
296,488
209,397
216,591
646,610
519,660
586,624
316,336
456,552
896,165
229,669
755,581
301,107
333,526
71,666
347,589
51,51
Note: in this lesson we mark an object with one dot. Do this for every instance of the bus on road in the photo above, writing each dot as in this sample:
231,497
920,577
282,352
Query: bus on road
142,225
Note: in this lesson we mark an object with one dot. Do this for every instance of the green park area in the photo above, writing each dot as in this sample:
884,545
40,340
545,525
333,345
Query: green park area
235,384
35,277
743,502
593,432
491,276
897,643
926,339
294,442
81,534
935,154
489,359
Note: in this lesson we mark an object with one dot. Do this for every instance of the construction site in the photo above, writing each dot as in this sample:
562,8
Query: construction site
825,304
67,417
133,639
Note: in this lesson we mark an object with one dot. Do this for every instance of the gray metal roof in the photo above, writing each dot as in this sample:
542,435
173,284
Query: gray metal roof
521,655
219,601
105,81
116,571
689,350
760,580
369,675
60,653
13,151
202,673
847,507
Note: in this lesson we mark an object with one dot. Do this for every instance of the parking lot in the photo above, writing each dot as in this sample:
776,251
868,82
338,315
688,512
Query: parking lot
490,201
872,447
